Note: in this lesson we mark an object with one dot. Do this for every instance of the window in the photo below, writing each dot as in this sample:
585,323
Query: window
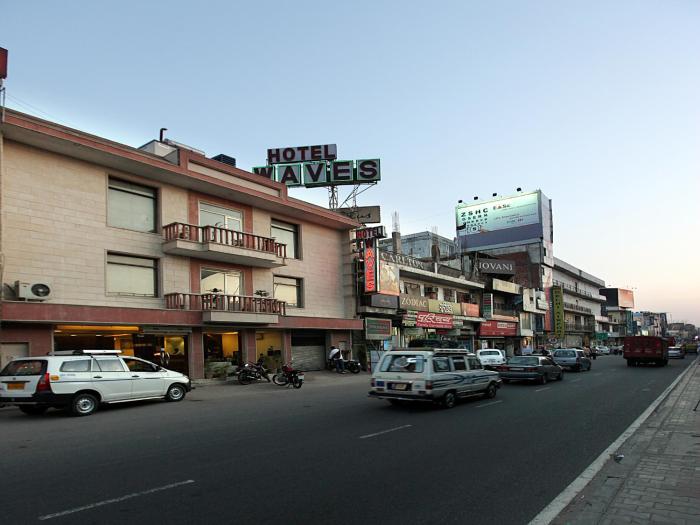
288,234
449,295
136,365
441,364
83,365
287,289
128,275
131,206
459,363
109,364
474,364
210,215
403,363
221,281
24,368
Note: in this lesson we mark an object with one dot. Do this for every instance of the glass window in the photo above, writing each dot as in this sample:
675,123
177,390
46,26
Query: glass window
81,365
403,363
459,363
441,364
109,364
221,281
130,275
288,234
131,206
474,363
523,361
24,368
136,365
287,289
210,215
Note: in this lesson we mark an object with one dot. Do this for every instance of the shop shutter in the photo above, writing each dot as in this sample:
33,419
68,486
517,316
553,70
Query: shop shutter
309,357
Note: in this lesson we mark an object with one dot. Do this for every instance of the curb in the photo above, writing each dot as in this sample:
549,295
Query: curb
558,504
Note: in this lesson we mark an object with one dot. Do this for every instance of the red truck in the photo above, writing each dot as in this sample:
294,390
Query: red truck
645,349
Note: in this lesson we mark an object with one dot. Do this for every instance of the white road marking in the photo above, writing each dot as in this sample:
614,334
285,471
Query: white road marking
385,431
489,404
115,500
543,389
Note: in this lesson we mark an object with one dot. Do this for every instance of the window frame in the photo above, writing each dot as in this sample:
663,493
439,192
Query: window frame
298,254
300,290
156,202
156,274
220,207
223,271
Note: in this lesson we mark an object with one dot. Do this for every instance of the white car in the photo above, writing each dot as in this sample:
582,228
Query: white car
602,350
80,381
490,358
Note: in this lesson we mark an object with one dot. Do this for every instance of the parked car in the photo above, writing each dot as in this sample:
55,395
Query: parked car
80,381
439,375
572,359
432,343
602,350
676,352
530,368
490,358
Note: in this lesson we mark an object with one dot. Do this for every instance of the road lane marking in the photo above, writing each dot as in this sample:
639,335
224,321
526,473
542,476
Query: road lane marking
489,404
543,389
115,500
385,431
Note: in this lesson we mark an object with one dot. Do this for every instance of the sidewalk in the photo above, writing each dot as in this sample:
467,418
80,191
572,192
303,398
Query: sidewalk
657,480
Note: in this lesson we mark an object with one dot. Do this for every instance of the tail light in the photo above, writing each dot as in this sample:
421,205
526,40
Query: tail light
502,368
531,369
372,383
428,385
44,384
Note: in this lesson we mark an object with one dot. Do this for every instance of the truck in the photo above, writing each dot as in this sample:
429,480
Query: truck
643,349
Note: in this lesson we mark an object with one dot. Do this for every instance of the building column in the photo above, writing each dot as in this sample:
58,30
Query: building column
287,346
248,348
195,355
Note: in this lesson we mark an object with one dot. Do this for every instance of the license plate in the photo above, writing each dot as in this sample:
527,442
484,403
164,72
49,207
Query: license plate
301,376
399,386
516,369
15,386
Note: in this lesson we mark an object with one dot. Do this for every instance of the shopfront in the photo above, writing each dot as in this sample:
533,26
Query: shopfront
501,335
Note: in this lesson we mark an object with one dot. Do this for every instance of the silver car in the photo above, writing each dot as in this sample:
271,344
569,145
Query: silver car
572,359
676,352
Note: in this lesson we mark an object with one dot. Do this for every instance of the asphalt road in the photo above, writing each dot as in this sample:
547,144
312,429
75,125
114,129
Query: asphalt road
322,454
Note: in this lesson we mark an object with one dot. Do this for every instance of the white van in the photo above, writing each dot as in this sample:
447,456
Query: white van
437,375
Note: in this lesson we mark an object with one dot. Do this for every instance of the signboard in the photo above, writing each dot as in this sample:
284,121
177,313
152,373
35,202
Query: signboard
371,268
378,300
323,172
470,310
404,260
363,214
377,329
503,221
444,307
408,320
498,329
505,286
411,302
302,154
375,232
558,311
625,298
3,63
433,320
488,305
389,278
496,266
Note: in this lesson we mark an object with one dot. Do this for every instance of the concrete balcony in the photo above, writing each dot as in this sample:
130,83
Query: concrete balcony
219,244
230,309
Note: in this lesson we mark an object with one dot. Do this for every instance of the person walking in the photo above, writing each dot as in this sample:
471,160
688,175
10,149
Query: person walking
337,357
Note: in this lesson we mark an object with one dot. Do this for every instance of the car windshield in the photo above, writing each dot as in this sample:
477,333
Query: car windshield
34,367
490,352
403,363
523,360
565,353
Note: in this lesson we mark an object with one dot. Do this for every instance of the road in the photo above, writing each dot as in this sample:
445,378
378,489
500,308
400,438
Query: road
322,454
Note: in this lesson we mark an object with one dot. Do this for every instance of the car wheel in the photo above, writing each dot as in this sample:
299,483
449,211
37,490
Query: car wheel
449,400
490,391
543,379
83,405
175,393
33,410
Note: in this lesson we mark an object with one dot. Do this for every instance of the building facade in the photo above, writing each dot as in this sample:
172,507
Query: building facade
163,253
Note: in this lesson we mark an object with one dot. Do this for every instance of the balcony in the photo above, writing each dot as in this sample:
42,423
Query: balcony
219,308
223,245
576,308
573,290
579,327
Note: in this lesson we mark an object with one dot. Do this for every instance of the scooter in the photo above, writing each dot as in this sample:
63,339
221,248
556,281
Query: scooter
289,377
349,364
250,372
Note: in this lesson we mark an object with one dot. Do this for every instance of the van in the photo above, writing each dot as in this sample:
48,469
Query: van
431,375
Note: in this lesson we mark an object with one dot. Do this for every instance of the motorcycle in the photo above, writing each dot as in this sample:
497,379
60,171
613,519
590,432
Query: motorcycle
349,364
250,372
289,377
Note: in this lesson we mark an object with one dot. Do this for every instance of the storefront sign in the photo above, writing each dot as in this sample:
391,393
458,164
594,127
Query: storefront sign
450,333
433,320
498,329
444,307
488,306
541,305
470,310
412,302
496,266
165,330
371,267
404,260
362,214
322,172
413,332
558,308
302,154
389,278
505,286
408,321
375,232
377,329
379,300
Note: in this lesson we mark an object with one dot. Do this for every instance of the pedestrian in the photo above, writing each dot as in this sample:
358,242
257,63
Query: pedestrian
336,356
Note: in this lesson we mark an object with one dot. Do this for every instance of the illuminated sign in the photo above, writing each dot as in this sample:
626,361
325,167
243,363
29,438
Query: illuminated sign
370,256
375,232
496,266
558,308
323,172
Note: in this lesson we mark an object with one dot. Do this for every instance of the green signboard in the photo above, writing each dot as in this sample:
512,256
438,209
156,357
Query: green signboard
377,329
558,307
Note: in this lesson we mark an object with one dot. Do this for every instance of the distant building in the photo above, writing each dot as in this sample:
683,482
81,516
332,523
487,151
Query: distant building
420,245
618,307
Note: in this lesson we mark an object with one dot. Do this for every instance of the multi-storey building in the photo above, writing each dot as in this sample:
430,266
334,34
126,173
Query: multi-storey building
163,253
650,323
423,245
618,308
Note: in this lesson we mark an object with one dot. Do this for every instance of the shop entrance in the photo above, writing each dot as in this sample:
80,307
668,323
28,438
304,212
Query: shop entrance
221,351
268,346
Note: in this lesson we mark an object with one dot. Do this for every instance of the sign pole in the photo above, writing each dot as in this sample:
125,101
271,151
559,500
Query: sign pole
333,197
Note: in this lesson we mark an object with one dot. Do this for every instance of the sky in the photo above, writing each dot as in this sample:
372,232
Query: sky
596,103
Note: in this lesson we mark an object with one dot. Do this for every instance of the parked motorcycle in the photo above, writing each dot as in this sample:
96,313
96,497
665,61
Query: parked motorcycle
289,377
350,364
250,372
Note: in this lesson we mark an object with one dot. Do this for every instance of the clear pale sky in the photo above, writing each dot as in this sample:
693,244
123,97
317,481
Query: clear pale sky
597,103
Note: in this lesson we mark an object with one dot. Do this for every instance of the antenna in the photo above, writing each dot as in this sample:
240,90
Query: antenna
395,226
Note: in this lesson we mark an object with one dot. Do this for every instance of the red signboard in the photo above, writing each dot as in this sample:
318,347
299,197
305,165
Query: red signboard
3,63
432,320
470,310
370,268
498,328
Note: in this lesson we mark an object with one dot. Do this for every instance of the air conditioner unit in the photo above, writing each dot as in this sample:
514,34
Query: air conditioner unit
39,291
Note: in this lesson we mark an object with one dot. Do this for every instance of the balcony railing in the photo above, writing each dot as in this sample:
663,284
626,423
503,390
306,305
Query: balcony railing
216,234
225,303
509,313
577,308
578,291
579,327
